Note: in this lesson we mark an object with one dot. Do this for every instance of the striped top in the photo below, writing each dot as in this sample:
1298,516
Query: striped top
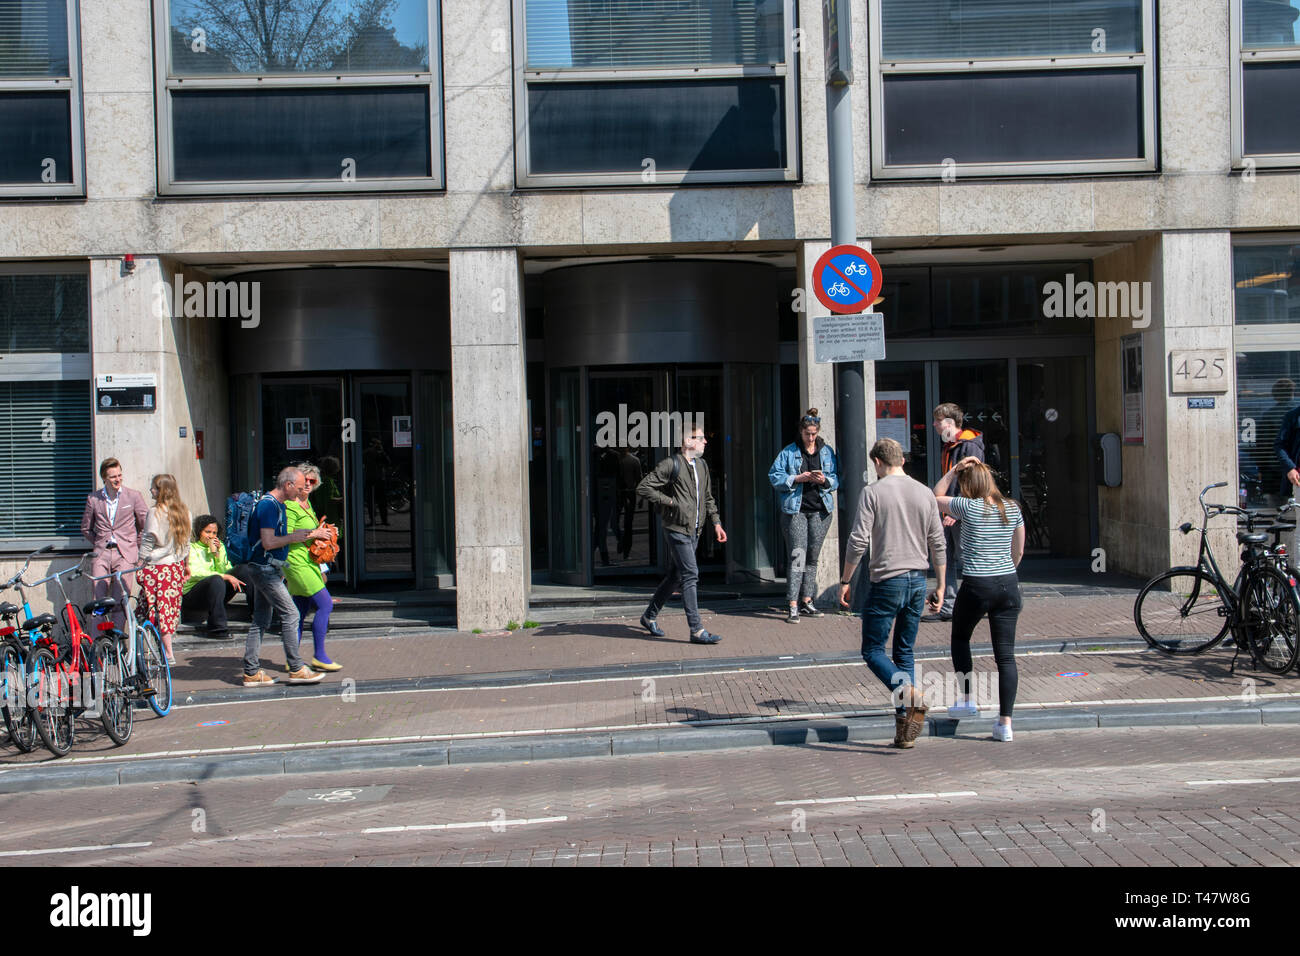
985,540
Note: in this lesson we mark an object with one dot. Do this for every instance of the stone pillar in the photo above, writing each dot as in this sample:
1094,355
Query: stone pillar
490,437
133,330
1191,306
816,389
1198,314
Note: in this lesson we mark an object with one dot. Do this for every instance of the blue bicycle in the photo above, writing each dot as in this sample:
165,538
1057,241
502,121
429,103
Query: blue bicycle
142,651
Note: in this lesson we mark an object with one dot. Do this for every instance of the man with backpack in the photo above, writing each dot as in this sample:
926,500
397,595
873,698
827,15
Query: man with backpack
267,530
679,487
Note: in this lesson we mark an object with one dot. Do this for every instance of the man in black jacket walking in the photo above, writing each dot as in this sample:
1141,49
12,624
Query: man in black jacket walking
679,486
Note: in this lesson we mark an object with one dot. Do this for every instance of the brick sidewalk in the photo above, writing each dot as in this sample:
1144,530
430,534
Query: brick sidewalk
613,642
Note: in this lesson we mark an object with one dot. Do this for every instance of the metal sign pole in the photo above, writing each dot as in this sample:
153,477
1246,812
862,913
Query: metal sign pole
850,401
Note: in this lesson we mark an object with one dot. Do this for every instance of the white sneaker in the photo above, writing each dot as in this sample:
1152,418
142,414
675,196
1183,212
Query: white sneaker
964,707
1002,732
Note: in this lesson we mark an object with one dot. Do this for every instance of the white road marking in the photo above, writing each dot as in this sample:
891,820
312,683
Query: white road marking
880,796
1249,780
478,824
76,849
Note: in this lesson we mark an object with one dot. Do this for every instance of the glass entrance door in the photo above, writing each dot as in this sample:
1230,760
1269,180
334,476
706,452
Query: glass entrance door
1033,414
627,441
981,390
386,483
303,421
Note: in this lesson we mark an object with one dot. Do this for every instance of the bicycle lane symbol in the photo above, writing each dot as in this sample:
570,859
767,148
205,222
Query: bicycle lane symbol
336,796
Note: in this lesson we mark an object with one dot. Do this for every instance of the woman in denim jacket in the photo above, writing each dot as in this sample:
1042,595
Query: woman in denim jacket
805,475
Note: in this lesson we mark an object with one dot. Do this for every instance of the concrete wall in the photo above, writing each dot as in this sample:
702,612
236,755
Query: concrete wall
1184,449
1196,188
128,336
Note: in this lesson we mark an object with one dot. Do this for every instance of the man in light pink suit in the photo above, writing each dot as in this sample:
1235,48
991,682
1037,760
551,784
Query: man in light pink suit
113,523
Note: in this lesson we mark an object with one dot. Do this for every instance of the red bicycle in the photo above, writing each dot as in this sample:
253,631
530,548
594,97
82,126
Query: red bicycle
63,680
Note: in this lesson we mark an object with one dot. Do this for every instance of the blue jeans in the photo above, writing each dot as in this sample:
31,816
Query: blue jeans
682,570
893,601
272,597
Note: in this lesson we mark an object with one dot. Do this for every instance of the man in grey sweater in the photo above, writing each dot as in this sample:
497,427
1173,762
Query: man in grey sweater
898,519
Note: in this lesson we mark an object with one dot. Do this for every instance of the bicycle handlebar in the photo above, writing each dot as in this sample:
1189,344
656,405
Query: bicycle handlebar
116,574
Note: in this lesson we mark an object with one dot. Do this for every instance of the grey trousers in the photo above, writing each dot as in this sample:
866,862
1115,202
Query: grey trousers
804,534
272,597
951,539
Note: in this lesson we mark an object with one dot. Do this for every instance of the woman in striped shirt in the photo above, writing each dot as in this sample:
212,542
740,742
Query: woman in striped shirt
992,544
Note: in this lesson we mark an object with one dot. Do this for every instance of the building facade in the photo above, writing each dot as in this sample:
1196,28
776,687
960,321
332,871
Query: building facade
472,256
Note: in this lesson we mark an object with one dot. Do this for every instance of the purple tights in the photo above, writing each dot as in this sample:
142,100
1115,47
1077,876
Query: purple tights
322,604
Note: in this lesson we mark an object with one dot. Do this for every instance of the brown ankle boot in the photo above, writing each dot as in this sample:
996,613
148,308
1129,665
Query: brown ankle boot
900,734
915,719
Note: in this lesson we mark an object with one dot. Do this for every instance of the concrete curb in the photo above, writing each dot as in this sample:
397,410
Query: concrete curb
330,687
688,737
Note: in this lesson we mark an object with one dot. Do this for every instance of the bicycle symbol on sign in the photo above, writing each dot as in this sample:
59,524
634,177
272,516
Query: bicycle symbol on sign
838,288
335,796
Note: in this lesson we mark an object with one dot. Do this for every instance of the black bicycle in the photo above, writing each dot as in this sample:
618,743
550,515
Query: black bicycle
1188,610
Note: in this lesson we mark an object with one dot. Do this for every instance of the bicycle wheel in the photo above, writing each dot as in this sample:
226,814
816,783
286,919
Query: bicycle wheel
51,701
18,720
1270,614
115,707
1181,612
154,664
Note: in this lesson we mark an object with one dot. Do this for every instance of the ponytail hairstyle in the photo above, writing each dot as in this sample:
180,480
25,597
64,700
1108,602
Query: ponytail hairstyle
169,500
977,482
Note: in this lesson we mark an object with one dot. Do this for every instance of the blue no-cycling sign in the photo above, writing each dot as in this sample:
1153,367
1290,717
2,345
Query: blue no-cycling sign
847,279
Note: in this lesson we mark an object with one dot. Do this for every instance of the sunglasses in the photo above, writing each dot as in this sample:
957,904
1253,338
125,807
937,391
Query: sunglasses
810,420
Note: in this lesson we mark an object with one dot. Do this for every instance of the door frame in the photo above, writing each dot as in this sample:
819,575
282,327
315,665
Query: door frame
356,493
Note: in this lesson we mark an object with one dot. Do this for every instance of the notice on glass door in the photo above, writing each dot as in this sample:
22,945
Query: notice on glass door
1131,380
401,431
297,434
893,413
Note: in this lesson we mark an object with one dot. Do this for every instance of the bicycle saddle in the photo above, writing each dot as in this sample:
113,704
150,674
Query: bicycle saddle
40,620
1271,529
8,610
1244,538
102,604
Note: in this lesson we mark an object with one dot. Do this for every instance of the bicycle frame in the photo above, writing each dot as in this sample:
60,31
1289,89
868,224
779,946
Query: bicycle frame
82,701
1205,555
129,602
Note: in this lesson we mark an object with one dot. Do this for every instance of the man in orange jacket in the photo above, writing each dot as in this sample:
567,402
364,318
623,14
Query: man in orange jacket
958,443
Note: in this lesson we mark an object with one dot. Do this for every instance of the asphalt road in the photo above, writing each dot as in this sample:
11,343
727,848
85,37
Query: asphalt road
1173,796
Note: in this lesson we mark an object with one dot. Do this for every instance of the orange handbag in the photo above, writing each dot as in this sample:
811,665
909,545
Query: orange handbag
325,550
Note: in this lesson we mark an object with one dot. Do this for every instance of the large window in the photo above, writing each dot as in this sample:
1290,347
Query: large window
1266,279
1265,77
626,92
40,99
1007,87
45,404
299,95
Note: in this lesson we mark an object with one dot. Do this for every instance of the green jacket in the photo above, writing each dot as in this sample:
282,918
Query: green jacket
675,498
301,573
203,564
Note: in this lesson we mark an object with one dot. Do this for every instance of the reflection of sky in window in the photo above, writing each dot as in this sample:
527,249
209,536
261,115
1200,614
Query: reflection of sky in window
548,33
409,18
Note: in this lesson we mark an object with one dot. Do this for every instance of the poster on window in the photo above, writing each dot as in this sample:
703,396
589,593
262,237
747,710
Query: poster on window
893,413
297,434
401,431
1131,385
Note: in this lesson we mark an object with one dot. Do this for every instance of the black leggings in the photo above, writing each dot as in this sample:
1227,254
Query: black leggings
999,598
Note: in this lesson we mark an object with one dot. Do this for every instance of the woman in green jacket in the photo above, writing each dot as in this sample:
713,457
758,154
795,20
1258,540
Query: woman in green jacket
303,575
211,583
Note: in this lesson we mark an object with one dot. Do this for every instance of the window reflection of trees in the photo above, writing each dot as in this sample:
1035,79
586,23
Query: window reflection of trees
294,36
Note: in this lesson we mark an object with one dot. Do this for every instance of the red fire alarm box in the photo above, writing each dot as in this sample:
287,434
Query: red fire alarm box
198,443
